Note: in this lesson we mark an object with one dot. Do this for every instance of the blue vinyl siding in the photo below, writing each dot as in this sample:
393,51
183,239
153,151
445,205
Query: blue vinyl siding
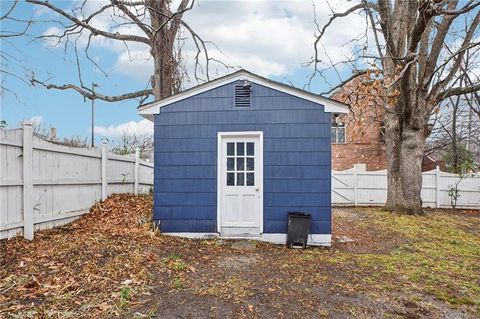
295,130
297,158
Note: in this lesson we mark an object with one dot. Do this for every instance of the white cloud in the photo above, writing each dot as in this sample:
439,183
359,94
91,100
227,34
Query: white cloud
51,37
266,45
136,63
142,127
36,120
272,38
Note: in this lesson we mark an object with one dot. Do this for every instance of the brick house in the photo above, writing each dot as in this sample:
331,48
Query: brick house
357,137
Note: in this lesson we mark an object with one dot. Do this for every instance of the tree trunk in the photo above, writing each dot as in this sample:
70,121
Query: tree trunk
455,152
165,69
454,136
405,146
166,73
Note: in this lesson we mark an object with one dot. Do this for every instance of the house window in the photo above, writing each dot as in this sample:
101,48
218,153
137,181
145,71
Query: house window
382,132
242,94
338,131
240,164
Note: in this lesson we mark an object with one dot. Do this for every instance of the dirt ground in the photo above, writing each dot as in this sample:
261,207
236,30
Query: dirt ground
110,264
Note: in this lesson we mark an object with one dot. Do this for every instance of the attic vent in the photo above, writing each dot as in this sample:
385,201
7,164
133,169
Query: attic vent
242,94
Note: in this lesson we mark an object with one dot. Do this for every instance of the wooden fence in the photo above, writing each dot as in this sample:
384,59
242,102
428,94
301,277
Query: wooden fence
357,187
44,185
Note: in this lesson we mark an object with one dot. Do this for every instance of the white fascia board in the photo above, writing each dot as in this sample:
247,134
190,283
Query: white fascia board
330,106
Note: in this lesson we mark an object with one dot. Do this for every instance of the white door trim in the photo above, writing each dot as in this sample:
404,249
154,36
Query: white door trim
259,160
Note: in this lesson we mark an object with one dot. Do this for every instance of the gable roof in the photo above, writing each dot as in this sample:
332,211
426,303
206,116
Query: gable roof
331,106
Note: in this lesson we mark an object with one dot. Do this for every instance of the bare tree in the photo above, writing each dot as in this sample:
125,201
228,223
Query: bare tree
414,50
129,142
456,134
157,27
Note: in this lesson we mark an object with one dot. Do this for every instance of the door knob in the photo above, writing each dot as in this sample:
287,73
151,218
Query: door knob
257,189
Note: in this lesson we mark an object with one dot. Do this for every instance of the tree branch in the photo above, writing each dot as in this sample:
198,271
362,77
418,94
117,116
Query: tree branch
404,70
384,12
453,55
437,45
468,7
363,5
134,18
353,76
340,15
176,18
9,10
196,40
458,91
93,95
375,32
95,31
425,13
182,8
458,56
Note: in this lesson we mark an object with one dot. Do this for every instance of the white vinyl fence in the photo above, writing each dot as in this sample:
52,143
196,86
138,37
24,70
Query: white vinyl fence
357,187
44,185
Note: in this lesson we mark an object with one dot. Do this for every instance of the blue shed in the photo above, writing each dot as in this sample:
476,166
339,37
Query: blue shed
234,155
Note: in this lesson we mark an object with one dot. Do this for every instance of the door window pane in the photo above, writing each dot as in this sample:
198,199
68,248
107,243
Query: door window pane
230,164
240,179
230,179
230,148
250,149
240,148
250,164
240,169
250,179
240,163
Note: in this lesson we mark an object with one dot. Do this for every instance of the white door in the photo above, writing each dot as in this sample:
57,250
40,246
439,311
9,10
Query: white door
240,184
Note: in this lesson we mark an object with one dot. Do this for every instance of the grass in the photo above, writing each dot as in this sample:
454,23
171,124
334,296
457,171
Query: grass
436,255
175,263
124,297
177,283
235,288
439,257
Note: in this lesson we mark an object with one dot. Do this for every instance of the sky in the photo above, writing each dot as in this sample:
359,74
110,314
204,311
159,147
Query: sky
271,38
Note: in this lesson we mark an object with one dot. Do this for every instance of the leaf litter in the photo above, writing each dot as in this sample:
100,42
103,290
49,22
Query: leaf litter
82,269
111,264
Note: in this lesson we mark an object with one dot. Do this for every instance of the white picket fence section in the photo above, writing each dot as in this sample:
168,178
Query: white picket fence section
357,187
45,185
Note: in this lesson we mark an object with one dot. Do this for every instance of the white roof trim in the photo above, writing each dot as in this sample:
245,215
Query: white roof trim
330,105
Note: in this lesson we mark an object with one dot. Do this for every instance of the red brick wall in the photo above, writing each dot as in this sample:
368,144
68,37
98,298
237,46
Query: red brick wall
363,143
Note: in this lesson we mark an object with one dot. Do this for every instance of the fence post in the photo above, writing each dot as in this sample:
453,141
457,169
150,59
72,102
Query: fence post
355,187
437,187
137,164
104,170
28,231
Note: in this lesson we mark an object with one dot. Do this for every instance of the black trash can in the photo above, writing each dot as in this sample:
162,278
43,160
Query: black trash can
298,228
